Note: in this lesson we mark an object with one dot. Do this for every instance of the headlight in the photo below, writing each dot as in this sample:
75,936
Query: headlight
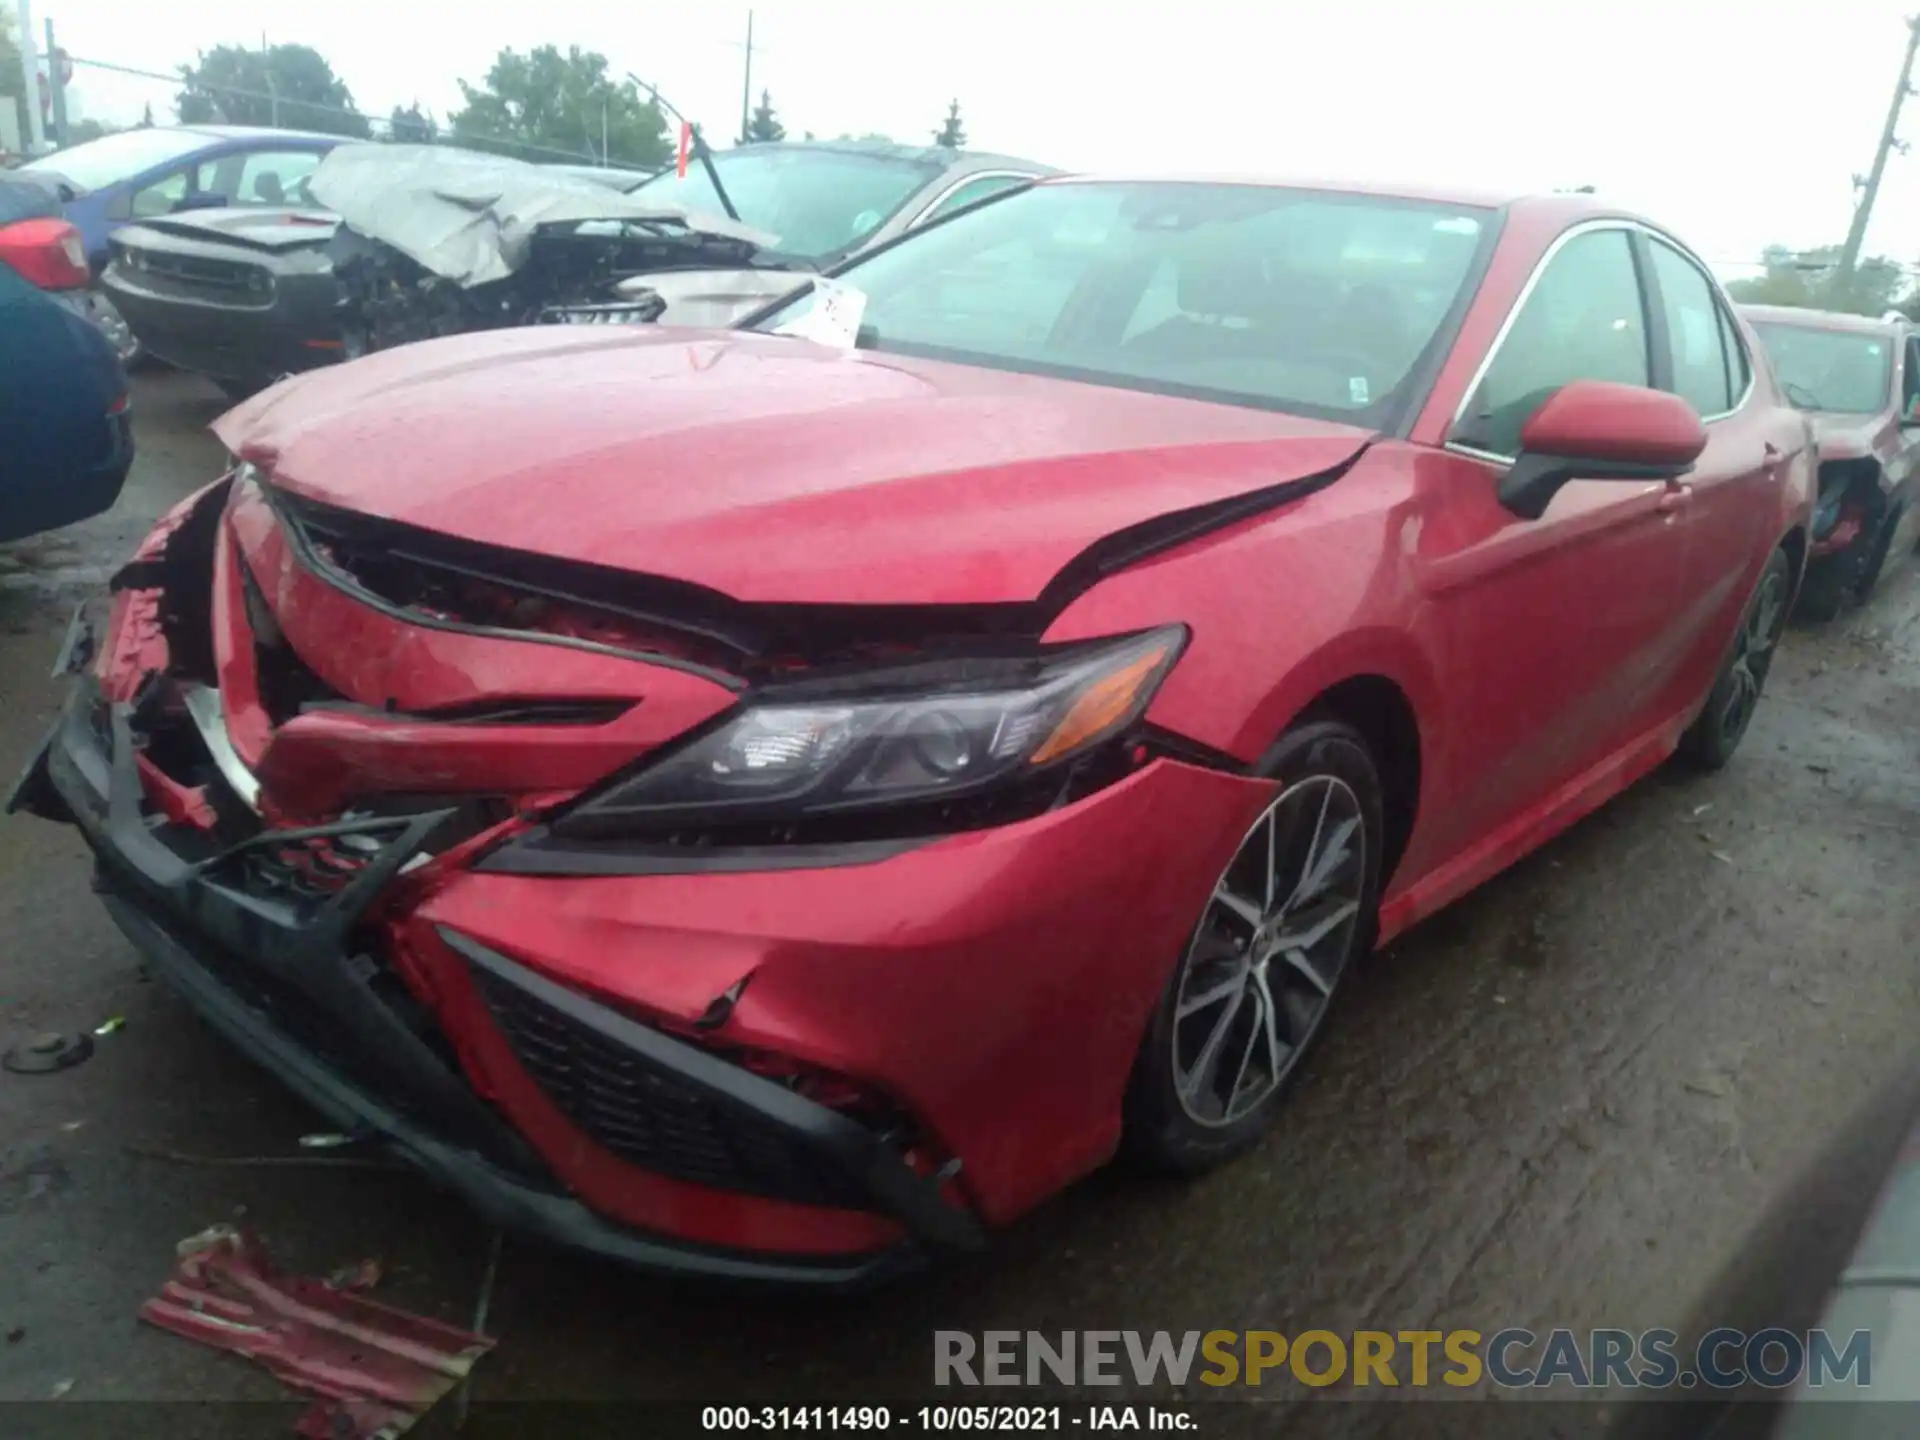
924,732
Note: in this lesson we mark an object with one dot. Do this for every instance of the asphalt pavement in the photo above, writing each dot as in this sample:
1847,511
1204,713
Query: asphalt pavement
1561,1102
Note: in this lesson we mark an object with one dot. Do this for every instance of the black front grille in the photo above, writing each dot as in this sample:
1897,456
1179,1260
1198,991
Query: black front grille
227,276
652,1118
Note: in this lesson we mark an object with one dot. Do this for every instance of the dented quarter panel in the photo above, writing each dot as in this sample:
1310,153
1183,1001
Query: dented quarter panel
765,467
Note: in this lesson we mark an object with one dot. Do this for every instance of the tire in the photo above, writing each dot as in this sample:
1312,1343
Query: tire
1823,594
1183,1112
1836,582
1717,731
1877,560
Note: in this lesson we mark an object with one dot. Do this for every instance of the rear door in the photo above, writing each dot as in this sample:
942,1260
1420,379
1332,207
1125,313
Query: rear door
263,177
1731,498
1555,631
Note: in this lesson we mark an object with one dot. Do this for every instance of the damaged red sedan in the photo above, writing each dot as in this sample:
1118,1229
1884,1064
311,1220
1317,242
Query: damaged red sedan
778,803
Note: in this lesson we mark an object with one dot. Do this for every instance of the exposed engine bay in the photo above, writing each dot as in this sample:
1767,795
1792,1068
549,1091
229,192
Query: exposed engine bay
436,241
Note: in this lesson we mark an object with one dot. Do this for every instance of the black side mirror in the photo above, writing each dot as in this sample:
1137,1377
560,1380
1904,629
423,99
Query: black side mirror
1598,430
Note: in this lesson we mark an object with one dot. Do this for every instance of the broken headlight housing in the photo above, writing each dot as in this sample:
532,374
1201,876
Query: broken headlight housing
912,734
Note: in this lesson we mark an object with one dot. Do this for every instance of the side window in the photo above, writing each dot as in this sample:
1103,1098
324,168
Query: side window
1582,321
971,191
1910,391
162,195
1694,333
273,177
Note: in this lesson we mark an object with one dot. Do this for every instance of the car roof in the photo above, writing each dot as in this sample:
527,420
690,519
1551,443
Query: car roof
1563,207
1810,319
260,132
1438,194
892,150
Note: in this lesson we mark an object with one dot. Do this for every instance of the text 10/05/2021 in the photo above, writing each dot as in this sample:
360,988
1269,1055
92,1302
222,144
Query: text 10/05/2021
942,1419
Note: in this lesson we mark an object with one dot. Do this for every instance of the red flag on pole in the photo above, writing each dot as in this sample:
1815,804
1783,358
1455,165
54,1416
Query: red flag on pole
686,146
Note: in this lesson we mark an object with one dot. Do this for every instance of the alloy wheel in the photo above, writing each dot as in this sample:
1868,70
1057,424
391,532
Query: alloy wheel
1273,943
1753,653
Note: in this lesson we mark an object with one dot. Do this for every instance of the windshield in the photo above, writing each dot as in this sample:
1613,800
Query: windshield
113,158
1302,300
1837,370
817,202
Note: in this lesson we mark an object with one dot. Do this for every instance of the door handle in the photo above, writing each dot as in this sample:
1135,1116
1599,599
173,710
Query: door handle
1677,493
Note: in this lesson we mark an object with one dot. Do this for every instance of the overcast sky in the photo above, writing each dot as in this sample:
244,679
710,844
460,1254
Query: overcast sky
1737,124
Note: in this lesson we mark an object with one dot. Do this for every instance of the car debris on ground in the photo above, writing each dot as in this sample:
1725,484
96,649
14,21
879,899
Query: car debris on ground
48,1053
376,1369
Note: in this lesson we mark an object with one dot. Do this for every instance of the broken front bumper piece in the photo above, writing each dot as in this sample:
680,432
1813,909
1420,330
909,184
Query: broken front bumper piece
289,981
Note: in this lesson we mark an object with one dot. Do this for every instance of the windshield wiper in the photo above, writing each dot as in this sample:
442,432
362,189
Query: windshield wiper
701,151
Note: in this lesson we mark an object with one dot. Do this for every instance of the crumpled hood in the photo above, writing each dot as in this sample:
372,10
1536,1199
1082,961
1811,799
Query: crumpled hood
1844,437
763,466
714,299
471,218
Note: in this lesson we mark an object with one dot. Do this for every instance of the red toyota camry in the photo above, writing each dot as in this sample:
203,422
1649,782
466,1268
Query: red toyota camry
780,802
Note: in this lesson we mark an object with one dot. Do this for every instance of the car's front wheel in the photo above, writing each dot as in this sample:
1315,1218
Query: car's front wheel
1295,907
1713,737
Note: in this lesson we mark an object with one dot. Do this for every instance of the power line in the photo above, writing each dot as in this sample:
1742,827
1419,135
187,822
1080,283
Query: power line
373,122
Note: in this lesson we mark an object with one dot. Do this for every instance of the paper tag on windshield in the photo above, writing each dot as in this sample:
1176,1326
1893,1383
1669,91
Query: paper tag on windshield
832,319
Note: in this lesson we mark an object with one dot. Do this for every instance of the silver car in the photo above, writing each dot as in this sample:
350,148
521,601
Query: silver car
822,202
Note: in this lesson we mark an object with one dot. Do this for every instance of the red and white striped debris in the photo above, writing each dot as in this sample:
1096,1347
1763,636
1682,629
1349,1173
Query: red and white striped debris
376,1369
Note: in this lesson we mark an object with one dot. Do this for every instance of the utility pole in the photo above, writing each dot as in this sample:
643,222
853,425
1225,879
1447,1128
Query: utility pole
746,89
1870,187
266,68
57,86
30,80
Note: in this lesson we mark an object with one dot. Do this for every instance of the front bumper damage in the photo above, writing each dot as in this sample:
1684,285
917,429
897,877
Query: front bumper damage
293,985
316,789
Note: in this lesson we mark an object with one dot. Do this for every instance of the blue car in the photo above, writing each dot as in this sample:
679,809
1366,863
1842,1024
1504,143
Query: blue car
164,169
65,440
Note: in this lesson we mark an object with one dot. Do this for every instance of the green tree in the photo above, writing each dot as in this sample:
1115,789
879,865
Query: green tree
410,127
79,132
291,86
951,133
1811,279
563,103
763,128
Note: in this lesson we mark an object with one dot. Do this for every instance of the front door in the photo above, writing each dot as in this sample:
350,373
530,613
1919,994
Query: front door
1556,631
